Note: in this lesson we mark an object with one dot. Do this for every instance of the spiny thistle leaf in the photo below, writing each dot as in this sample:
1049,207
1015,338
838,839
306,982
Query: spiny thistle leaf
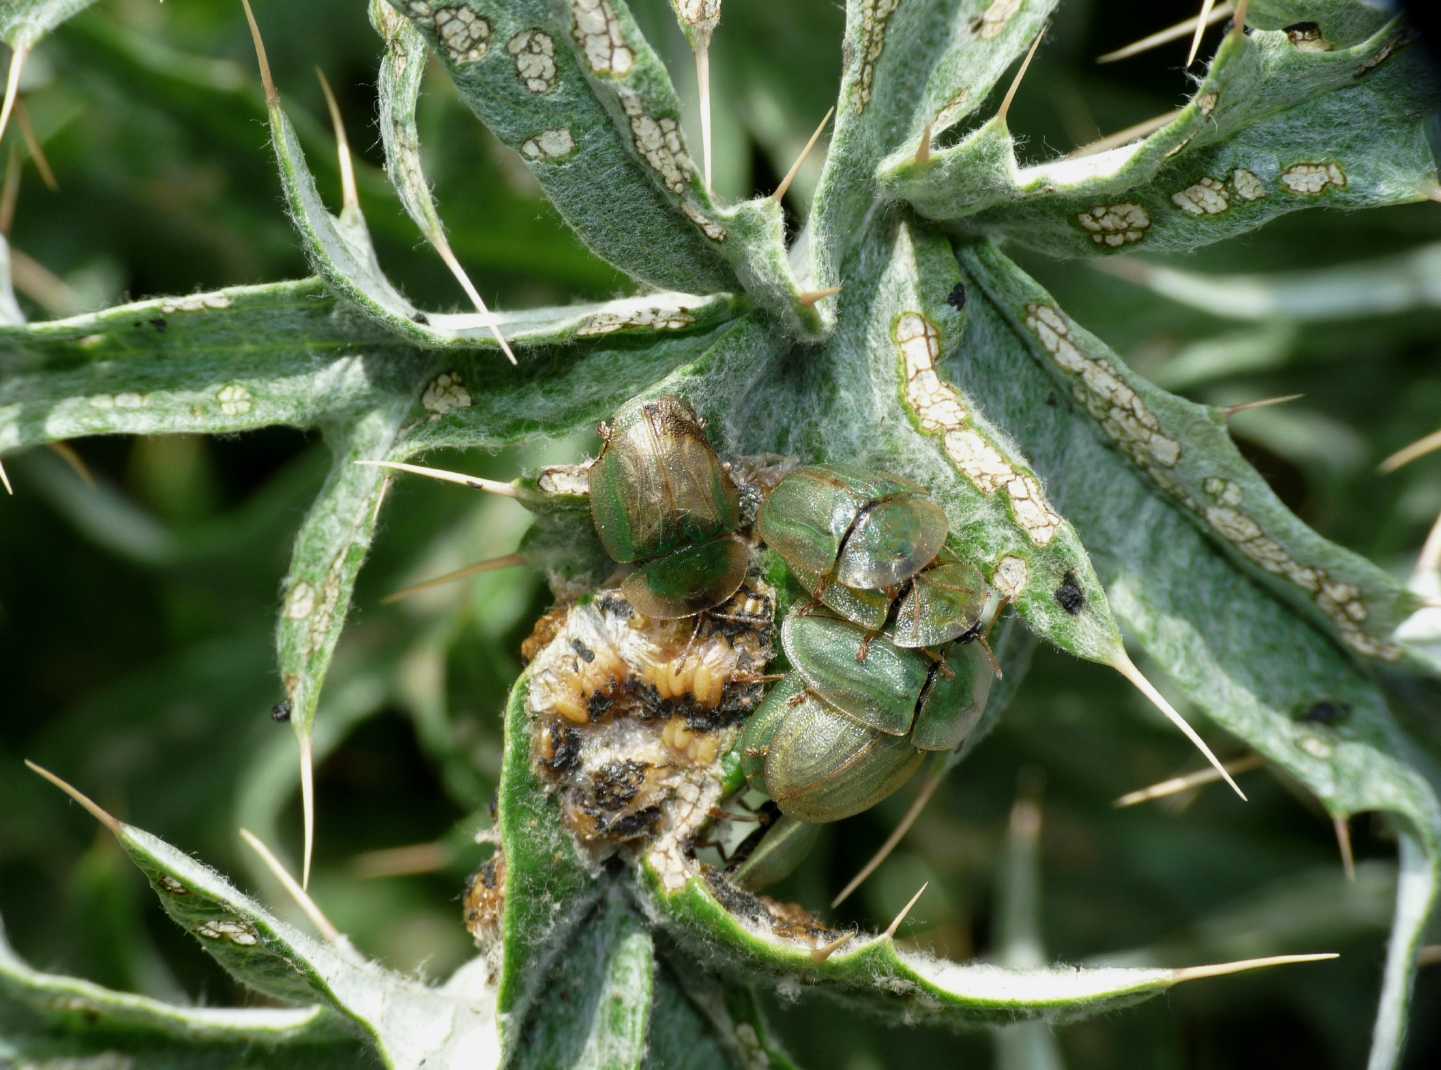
50,1017
1272,129
405,1022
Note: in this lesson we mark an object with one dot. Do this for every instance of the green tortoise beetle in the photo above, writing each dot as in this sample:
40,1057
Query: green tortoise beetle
837,524
840,733
876,549
661,503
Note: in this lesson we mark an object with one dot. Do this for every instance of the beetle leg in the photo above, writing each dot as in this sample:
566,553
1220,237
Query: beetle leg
940,661
756,678
990,655
865,648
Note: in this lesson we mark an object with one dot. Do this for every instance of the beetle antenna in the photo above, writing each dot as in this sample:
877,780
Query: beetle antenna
1170,33
297,893
785,185
895,924
1177,784
490,486
494,564
897,834
1343,843
1414,452
1127,668
95,810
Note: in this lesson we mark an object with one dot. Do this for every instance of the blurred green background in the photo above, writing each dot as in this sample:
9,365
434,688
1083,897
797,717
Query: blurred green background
136,616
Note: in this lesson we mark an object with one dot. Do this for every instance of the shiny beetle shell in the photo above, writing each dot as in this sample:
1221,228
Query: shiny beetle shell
851,527
837,735
657,485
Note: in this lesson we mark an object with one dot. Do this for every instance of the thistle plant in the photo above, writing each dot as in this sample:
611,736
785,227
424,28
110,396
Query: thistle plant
895,329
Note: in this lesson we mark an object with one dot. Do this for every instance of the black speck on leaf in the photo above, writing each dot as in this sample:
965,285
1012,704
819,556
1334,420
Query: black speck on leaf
1069,595
957,297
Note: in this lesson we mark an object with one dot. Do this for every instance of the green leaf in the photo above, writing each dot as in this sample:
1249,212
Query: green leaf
906,64
1255,664
1186,451
404,1021
577,90
521,69
605,979
50,1017
731,930
24,22
1272,129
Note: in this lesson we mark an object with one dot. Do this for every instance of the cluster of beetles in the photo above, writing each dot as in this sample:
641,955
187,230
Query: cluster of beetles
883,655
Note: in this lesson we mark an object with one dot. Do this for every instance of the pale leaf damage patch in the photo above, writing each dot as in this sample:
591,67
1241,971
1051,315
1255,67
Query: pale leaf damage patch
234,400
651,319
463,33
598,32
1313,179
874,16
941,411
1115,225
534,54
445,394
549,145
994,20
659,143
1247,186
1206,197
1129,422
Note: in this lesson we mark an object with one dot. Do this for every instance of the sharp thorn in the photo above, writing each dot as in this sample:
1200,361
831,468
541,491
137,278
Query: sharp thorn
93,808
1127,668
825,951
1201,24
1429,560
10,194
1415,451
1220,969
442,247
12,85
77,464
297,893
1343,843
490,486
923,150
1124,137
492,565
1005,108
895,924
349,198
33,146
272,96
785,185
5,480
893,840
1238,24
1176,785
307,805
406,861
702,81
1231,411
1161,37
811,297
